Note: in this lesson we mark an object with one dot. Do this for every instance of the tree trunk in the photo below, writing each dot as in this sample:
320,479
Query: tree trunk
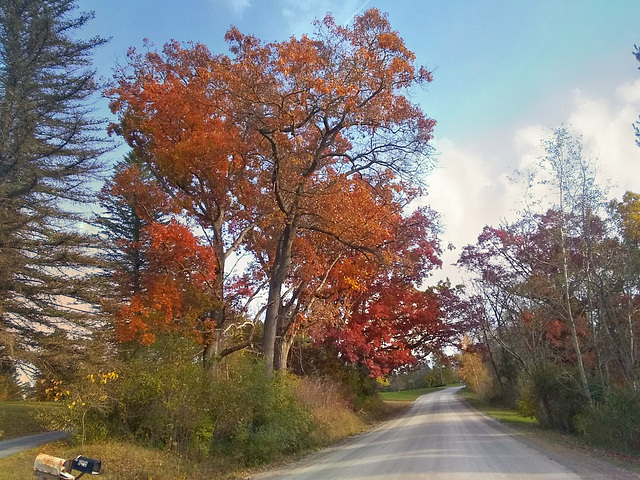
283,347
571,320
274,301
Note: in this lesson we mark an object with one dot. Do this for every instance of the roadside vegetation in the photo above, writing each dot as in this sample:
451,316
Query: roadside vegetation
550,438
509,416
265,421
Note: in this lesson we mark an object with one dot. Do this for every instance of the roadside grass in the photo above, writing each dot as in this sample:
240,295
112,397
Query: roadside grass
120,461
407,395
505,415
18,419
531,429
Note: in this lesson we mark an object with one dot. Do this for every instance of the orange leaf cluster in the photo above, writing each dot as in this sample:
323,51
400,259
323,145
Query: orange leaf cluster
180,271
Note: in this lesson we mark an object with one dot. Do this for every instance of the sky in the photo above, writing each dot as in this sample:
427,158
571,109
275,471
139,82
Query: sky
505,74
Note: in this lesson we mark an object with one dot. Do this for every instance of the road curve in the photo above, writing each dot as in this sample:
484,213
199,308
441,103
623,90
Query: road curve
440,437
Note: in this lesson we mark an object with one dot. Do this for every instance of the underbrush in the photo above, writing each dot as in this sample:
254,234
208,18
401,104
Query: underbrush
162,408
613,422
316,407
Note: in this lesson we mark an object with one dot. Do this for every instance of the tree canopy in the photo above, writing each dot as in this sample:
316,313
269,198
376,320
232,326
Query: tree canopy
300,155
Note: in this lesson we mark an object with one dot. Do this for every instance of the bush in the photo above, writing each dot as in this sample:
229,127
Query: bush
559,398
256,417
85,404
613,422
162,398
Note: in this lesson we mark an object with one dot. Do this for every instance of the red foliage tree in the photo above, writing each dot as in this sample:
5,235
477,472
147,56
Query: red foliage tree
279,148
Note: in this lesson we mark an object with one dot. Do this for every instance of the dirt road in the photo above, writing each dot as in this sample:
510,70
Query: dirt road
441,437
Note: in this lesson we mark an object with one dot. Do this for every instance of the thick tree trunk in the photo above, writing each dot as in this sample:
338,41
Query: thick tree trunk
212,339
274,301
212,331
284,343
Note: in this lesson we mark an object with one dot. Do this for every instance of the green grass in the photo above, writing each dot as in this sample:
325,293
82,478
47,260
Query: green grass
407,395
23,418
509,416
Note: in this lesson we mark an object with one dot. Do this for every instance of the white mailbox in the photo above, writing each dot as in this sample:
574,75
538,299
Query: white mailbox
47,467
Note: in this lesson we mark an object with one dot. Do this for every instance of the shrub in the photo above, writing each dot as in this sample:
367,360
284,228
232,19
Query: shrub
257,417
162,398
85,404
613,422
559,398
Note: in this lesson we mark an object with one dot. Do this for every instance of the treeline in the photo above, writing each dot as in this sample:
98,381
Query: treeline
557,303
255,252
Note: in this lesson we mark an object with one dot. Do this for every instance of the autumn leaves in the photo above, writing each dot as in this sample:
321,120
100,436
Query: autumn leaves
299,157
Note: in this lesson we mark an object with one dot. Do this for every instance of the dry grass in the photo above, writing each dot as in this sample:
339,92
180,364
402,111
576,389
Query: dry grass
332,414
120,461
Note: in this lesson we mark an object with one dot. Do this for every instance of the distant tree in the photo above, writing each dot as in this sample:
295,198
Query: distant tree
49,150
636,125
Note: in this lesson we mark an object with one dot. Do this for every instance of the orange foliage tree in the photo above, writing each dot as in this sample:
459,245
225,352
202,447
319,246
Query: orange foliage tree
306,145
174,288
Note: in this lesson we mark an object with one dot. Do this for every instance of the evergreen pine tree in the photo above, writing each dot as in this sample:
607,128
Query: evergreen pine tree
50,146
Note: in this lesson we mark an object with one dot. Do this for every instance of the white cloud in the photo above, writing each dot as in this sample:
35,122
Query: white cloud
472,186
607,134
630,92
467,198
300,15
238,7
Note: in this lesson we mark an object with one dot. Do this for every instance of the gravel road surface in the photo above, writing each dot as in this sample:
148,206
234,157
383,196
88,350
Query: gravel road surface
440,437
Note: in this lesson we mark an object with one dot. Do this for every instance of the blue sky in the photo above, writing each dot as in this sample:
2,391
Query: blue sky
503,72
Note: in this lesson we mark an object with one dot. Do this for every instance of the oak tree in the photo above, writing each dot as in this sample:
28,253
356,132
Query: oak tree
265,149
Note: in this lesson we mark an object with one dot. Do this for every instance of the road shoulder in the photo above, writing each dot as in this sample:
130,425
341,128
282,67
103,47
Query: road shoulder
587,462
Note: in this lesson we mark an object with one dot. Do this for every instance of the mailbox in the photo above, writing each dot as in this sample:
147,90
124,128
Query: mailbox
47,467
87,465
